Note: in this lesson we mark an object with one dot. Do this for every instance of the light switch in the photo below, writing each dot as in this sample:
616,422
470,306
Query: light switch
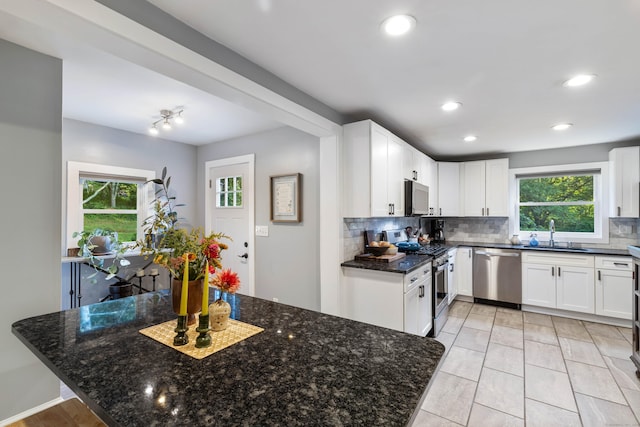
262,230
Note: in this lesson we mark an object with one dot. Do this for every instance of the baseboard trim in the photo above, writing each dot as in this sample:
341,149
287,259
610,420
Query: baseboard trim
31,411
579,316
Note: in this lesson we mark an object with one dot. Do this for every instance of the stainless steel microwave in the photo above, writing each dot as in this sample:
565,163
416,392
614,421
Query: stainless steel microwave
416,198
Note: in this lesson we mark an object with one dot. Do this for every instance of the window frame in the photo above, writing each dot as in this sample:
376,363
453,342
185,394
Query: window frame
600,170
226,192
76,170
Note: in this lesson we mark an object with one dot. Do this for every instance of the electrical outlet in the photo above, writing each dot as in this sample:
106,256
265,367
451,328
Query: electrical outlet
262,230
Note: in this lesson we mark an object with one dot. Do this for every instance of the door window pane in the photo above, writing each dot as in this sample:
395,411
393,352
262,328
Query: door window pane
229,192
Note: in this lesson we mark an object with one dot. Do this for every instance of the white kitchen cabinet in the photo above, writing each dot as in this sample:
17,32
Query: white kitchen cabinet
486,187
554,280
448,188
451,275
625,182
397,301
614,286
415,166
464,271
374,184
432,182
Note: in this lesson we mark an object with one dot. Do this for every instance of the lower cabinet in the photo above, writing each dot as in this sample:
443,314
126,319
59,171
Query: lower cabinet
392,300
556,280
614,287
463,276
452,284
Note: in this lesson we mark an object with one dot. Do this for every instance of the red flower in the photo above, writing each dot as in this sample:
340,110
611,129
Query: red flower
212,251
226,280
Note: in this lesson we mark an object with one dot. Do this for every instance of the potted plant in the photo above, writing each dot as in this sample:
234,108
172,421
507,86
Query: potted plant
172,246
99,242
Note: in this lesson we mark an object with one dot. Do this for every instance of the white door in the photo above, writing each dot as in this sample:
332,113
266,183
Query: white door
230,211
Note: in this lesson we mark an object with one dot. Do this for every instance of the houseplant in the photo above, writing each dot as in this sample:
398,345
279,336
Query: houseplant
99,242
171,245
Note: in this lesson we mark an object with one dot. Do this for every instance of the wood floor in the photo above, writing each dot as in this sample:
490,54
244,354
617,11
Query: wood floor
69,413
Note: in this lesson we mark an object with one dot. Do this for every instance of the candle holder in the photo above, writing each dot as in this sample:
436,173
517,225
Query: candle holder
203,339
181,337
154,273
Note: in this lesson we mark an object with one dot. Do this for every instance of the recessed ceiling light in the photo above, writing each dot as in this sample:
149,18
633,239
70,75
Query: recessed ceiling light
470,138
579,80
562,126
450,106
398,25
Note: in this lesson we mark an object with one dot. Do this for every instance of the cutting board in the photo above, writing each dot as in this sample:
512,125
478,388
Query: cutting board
381,258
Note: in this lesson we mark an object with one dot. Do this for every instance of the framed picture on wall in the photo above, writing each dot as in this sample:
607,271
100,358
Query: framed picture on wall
286,203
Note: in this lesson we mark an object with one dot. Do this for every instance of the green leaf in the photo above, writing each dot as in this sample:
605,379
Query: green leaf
164,172
157,181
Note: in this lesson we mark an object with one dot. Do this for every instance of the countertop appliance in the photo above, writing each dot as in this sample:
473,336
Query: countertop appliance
437,228
416,198
497,277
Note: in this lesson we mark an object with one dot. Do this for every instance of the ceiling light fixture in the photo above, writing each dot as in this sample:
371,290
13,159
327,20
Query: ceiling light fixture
398,25
562,126
470,138
579,80
166,117
450,106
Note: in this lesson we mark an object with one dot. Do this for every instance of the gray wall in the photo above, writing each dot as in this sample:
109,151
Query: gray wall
86,142
287,262
30,168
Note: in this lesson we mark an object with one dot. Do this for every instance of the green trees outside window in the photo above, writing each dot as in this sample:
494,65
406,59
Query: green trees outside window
111,205
568,200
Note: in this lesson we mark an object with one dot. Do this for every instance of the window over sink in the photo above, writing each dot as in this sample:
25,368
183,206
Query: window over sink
573,196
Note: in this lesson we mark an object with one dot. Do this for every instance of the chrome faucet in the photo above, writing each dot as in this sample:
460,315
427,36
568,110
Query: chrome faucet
552,229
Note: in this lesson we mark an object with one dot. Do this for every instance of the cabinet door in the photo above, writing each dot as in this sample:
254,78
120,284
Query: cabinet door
464,272
379,170
497,187
425,309
432,182
539,285
474,188
575,289
395,182
412,310
448,189
409,170
625,164
614,293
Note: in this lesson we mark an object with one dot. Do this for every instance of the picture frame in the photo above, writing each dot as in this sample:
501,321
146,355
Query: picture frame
286,202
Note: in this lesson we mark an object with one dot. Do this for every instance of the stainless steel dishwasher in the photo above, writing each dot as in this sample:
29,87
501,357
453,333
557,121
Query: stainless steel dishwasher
497,276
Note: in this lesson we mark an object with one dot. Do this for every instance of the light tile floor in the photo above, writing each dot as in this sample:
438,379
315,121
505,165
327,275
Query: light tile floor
504,367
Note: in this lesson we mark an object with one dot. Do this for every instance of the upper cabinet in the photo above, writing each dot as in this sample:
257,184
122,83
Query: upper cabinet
448,189
373,171
486,187
625,181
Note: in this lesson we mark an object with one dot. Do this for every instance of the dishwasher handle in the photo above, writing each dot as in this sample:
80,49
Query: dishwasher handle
509,254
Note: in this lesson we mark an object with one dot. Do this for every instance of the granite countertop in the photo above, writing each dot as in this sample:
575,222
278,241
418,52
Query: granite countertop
582,250
402,266
306,368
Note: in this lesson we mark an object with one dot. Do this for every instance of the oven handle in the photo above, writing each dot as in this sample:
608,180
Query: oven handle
496,254
442,267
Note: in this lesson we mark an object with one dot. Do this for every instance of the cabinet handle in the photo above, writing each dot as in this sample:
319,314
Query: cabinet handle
421,293
487,211
621,264
482,211
440,211
558,271
599,275
618,210
413,279
553,271
451,268
469,253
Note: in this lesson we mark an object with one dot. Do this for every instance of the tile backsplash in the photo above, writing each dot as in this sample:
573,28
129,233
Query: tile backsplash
622,231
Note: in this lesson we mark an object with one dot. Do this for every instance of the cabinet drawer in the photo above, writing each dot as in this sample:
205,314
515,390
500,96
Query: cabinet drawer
556,258
614,263
416,276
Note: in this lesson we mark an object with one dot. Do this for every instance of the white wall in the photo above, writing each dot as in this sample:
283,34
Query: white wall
30,169
86,142
287,262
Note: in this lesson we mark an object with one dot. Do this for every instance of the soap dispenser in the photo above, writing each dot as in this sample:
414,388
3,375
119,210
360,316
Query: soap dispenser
533,239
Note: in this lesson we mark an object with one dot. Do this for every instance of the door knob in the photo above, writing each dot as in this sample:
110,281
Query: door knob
244,255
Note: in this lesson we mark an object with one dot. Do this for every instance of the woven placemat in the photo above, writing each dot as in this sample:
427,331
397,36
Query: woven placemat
235,332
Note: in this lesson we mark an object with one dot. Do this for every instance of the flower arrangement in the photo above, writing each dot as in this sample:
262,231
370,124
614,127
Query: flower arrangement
169,244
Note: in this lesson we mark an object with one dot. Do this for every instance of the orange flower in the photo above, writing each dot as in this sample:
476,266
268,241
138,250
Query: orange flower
227,281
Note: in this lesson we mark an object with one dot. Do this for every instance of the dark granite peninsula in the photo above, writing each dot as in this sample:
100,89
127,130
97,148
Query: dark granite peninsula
306,368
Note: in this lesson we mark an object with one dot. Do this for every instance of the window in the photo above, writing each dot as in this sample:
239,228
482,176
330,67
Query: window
569,200
229,192
573,196
108,197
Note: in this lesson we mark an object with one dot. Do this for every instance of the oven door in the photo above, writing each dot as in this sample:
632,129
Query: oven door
440,287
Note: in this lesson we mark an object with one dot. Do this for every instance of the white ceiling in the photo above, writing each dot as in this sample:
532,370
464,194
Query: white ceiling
505,60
